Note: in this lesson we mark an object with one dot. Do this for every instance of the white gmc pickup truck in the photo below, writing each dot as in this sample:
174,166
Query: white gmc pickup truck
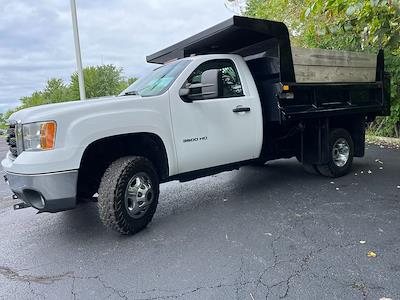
232,95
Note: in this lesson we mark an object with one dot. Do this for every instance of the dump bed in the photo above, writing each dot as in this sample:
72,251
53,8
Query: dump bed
319,82
324,66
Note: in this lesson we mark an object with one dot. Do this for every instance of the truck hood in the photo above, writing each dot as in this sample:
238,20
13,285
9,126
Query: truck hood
53,111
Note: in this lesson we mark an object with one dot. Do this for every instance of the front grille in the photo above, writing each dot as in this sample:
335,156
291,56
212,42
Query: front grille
12,140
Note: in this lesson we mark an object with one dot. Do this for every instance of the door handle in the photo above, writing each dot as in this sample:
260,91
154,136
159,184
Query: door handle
239,109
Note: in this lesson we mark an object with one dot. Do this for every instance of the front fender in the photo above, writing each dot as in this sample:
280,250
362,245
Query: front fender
78,129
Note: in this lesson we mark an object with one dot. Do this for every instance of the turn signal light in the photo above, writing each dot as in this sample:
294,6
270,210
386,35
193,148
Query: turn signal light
48,135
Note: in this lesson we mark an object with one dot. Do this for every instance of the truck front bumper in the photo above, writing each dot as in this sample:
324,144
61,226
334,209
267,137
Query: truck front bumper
49,192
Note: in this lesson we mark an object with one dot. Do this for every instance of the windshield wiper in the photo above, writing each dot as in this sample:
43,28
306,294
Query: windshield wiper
130,93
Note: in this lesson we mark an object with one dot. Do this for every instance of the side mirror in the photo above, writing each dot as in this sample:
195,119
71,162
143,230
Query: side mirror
184,92
211,81
209,87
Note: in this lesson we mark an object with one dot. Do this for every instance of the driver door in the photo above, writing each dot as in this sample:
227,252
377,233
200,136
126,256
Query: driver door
218,129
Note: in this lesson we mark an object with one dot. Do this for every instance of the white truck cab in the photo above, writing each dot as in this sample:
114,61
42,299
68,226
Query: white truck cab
224,99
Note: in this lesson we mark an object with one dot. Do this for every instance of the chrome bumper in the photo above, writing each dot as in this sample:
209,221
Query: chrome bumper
51,192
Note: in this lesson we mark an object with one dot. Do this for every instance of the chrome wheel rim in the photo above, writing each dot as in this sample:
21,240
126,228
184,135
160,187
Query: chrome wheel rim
340,152
139,195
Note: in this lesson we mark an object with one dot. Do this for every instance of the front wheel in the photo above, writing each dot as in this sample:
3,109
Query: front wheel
128,194
341,151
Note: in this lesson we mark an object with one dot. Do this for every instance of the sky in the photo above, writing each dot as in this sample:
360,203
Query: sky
36,38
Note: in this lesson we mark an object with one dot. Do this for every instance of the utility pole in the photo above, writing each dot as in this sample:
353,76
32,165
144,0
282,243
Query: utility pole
82,92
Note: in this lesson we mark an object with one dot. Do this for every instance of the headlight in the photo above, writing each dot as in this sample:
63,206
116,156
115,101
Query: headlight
39,136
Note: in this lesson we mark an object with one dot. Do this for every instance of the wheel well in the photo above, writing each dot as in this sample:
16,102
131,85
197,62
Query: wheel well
314,147
101,153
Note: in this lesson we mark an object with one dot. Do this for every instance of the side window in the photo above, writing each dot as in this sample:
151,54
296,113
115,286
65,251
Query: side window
226,77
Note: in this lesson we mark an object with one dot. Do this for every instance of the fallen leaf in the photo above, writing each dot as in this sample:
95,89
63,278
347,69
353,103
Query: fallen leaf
371,254
362,242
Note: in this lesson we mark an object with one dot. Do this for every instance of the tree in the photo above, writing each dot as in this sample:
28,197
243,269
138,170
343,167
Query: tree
363,25
35,99
56,91
356,25
100,81
285,11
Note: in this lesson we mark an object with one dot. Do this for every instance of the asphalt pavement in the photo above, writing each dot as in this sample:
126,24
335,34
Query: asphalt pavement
258,233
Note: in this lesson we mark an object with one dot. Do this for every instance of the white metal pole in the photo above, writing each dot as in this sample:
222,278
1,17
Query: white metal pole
82,92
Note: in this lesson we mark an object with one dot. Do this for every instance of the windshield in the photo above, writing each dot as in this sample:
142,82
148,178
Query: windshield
158,81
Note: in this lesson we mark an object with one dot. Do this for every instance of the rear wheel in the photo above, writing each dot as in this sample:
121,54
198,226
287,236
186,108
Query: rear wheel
128,194
341,151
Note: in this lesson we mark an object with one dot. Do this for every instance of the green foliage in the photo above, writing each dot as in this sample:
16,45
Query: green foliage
55,91
100,81
356,25
285,11
2,122
105,80
363,25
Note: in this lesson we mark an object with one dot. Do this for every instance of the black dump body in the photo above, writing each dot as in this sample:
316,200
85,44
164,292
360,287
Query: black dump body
265,45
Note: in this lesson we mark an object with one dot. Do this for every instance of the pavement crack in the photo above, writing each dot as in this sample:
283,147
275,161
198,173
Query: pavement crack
12,274
287,282
305,261
359,284
178,294
73,293
183,293
114,291
274,264
120,293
